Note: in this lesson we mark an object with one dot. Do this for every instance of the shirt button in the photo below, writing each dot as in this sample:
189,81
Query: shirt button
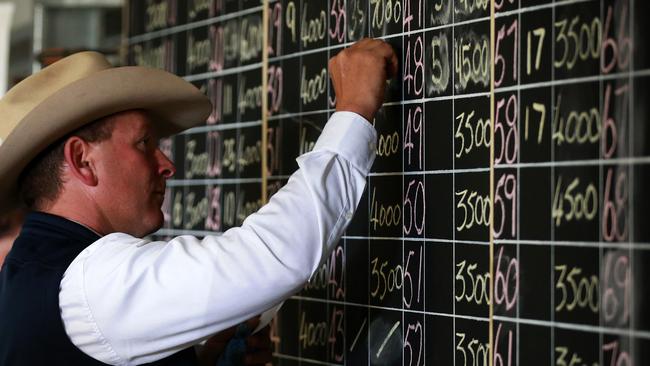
349,215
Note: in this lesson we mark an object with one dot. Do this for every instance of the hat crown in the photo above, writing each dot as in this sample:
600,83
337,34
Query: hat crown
29,93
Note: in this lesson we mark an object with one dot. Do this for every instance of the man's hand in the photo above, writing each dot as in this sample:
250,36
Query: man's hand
257,346
359,75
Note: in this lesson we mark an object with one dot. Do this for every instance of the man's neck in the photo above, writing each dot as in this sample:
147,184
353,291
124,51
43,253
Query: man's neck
84,214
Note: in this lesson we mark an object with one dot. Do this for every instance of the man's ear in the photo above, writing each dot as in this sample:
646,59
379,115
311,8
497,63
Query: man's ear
76,152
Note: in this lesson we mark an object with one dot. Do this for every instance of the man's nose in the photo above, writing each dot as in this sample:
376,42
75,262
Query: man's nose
165,166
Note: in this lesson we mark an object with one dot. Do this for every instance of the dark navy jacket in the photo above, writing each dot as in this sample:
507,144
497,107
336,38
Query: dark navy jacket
31,329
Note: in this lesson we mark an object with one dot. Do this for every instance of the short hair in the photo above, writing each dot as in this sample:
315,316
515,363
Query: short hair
41,181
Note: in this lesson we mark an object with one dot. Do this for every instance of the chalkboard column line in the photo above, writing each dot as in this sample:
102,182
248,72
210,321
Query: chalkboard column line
367,11
403,36
300,302
402,220
601,196
369,209
518,222
423,248
631,149
491,228
453,181
552,180
265,99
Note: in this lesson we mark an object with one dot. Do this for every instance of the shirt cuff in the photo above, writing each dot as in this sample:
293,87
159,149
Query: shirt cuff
351,136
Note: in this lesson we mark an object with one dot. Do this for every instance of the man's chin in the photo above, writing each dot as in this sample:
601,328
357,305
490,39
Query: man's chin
150,227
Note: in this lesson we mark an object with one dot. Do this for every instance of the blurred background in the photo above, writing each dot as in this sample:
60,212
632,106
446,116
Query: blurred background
28,40
35,33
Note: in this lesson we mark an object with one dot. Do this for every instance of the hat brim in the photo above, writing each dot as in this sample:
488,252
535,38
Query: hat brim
173,104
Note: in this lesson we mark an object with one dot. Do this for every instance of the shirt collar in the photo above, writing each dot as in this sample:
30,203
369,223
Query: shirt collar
37,221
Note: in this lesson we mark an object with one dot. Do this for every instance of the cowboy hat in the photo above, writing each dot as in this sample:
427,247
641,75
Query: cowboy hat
77,90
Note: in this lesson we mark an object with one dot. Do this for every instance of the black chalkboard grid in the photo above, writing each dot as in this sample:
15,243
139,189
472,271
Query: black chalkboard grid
217,45
503,220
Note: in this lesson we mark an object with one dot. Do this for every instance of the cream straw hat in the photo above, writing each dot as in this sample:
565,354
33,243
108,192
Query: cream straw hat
80,89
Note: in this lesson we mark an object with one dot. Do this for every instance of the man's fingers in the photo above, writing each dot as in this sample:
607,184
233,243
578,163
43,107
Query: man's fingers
390,58
359,75
383,50
386,51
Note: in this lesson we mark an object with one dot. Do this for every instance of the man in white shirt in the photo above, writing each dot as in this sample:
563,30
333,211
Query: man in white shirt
79,145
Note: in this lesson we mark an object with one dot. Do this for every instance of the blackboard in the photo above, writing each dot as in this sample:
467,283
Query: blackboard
504,221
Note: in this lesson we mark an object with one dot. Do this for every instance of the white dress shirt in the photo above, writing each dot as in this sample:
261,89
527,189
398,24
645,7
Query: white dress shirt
129,301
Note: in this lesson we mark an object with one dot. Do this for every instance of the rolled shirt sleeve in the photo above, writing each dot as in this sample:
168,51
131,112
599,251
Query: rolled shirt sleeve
128,301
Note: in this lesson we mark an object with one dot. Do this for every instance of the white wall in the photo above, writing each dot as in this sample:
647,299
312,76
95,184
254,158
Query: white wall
6,15
23,10
22,31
